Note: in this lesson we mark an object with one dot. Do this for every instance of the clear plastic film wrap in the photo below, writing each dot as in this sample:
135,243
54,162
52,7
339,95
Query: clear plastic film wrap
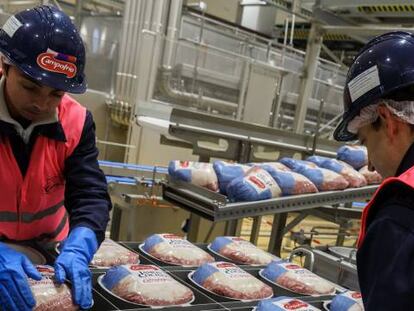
197,173
240,251
173,249
112,254
145,285
49,295
296,279
228,280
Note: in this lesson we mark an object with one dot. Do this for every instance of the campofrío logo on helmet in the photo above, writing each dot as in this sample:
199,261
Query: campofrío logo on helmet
57,62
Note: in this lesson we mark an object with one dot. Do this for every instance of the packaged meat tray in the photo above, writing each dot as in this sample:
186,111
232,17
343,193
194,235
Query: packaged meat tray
112,254
284,303
240,251
296,279
352,176
226,172
356,156
290,182
256,185
323,179
372,178
197,173
175,250
49,295
348,301
145,285
227,280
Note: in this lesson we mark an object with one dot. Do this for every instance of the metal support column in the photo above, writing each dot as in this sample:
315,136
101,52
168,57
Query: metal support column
276,236
254,236
309,69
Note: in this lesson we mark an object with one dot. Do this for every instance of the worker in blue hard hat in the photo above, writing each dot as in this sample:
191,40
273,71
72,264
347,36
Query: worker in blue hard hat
51,186
379,111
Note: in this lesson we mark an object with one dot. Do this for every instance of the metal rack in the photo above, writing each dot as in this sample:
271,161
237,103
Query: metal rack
216,207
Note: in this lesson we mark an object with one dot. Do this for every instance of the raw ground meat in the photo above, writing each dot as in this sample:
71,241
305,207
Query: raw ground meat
49,295
112,254
174,249
226,279
241,251
146,285
371,177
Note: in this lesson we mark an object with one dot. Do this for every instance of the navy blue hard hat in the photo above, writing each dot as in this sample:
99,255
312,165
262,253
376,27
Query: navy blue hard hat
45,44
383,67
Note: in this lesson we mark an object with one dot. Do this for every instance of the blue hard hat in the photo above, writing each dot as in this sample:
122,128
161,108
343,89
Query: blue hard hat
45,44
385,66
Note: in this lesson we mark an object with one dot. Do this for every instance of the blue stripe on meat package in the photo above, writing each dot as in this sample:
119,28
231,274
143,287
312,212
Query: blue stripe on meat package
348,301
151,241
177,173
113,276
356,156
255,186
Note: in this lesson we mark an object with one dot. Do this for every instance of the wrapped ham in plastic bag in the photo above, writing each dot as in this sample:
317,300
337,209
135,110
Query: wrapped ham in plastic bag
290,182
284,303
226,172
348,301
356,156
49,295
112,254
323,179
145,285
296,279
256,185
275,165
197,173
353,177
371,177
228,280
173,249
240,251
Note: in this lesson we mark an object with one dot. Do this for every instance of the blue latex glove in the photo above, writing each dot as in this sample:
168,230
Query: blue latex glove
75,255
15,293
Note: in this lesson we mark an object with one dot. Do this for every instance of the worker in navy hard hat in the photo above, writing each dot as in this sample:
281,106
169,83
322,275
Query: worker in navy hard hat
52,189
379,112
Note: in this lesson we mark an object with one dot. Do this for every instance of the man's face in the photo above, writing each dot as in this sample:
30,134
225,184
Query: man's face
380,153
27,98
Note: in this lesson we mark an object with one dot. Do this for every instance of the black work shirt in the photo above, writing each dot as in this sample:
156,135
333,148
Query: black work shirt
386,258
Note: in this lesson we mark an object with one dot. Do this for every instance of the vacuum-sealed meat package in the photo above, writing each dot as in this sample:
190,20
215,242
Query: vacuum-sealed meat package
290,182
112,254
240,251
173,249
348,301
228,280
275,165
49,295
372,177
352,176
296,279
323,179
226,172
256,185
145,285
356,156
197,173
284,303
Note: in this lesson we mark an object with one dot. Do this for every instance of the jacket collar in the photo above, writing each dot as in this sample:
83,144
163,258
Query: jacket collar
407,161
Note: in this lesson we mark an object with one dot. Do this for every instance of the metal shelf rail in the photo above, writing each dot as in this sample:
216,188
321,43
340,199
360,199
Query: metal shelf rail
216,207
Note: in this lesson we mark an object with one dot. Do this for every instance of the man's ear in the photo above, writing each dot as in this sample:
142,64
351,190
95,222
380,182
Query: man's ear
389,121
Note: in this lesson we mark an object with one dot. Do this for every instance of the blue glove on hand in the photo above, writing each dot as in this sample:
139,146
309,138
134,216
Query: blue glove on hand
75,255
15,292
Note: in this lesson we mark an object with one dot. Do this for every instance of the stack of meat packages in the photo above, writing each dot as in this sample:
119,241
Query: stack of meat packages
288,176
